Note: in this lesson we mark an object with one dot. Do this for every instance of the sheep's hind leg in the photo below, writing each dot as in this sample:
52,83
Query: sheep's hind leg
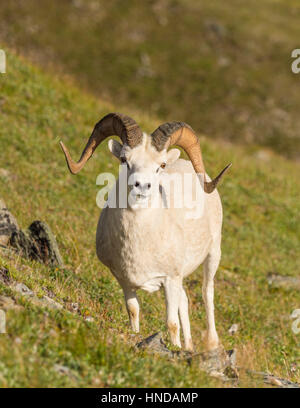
173,294
185,321
133,308
211,264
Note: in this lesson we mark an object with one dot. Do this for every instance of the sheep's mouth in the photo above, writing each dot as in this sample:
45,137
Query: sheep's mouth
141,197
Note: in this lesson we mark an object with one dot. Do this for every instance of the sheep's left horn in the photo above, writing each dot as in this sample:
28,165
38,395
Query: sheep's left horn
182,135
112,124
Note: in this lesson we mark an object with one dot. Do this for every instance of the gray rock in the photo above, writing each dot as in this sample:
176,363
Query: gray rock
41,233
8,224
61,369
22,289
64,370
51,303
7,303
217,363
37,243
155,344
45,302
285,282
22,242
273,380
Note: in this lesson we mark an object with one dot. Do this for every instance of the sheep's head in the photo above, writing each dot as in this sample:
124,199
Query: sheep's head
143,166
144,156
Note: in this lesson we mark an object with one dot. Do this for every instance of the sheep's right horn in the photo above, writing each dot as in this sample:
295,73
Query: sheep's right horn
112,124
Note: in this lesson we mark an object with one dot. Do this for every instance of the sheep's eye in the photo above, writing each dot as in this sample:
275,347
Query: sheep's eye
123,160
163,165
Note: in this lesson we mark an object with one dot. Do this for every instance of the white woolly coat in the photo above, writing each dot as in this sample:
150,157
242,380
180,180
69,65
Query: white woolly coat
144,247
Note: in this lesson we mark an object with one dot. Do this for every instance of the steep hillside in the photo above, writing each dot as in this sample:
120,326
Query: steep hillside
224,66
261,236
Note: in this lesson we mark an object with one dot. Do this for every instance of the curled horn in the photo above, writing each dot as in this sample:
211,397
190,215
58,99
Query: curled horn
182,135
112,124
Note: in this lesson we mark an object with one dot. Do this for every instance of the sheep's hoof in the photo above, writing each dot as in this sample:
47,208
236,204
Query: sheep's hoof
211,343
189,346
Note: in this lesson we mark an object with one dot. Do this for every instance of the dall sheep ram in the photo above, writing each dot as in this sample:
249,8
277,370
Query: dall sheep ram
145,247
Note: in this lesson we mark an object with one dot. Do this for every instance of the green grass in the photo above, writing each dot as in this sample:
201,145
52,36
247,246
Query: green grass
224,67
261,235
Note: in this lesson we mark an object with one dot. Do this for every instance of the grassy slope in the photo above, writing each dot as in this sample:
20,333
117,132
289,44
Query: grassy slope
222,66
261,235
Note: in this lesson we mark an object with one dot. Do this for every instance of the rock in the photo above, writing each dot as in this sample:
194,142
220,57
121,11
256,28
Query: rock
218,363
64,370
37,243
22,289
43,236
61,369
8,224
51,303
273,380
24,245
233,329
7,303
47,302
156,344
286,282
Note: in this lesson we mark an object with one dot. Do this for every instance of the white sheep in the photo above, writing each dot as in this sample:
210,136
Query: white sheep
146,247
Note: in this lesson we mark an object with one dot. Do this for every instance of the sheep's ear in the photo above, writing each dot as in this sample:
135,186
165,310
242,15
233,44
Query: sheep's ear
173,155
115,147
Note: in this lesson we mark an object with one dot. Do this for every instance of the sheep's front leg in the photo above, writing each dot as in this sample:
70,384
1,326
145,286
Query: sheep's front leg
211,264
173,293
133,308
185,321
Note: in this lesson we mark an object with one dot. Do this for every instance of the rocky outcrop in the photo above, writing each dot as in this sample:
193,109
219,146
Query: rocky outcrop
37,242
217,363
